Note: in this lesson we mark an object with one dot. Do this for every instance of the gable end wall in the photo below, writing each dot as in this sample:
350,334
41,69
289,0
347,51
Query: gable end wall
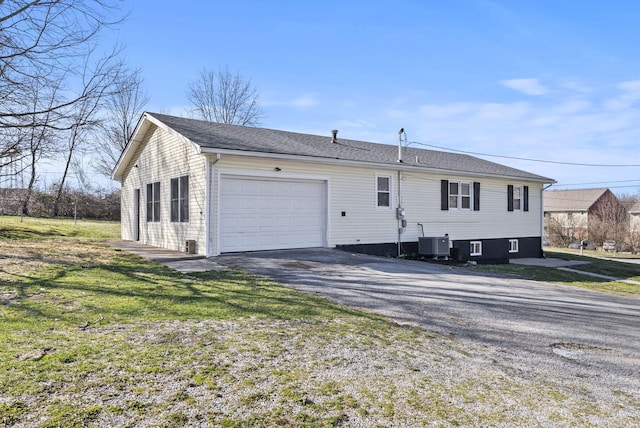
161,157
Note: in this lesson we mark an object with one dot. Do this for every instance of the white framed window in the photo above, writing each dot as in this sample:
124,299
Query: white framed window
153,202
460,195
513,246
180,199
476,248
517,198
383,191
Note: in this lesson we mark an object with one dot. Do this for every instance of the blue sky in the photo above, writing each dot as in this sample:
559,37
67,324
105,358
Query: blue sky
549,80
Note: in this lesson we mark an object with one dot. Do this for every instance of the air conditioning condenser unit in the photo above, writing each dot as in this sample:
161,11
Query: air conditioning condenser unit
435,246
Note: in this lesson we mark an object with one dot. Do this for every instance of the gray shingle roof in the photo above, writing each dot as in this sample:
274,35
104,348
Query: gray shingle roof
635,208
571,200
217,136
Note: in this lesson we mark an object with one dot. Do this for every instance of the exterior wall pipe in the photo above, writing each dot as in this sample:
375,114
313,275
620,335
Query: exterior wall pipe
209,177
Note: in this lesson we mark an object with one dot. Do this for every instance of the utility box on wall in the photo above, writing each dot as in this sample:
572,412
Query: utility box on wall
190,247
436,246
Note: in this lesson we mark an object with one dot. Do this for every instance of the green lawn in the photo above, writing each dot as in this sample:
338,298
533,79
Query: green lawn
596,264
92,336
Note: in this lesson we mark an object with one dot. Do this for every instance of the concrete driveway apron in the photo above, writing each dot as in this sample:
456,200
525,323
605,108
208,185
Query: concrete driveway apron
584,332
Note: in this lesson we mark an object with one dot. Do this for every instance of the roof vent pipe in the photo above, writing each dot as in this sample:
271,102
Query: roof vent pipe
334,138
400,134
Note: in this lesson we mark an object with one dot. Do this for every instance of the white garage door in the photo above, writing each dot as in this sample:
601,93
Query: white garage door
263,214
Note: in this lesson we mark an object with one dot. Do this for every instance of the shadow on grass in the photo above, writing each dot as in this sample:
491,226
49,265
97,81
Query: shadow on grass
616,268
130,289
18,233
583,280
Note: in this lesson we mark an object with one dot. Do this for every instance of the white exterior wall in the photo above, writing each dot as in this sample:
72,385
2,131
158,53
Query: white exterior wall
352,189
421,198
634,222
161,157
572,221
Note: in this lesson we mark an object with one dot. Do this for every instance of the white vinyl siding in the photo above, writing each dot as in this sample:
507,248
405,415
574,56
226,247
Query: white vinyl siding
353,190
161,157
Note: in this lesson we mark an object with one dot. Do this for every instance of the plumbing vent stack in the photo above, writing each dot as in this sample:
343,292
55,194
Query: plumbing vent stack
334,138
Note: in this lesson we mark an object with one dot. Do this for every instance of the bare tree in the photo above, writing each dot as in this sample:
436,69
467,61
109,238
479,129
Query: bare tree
225,97
42,40
123,108
98,83
45,43
608,220
38,139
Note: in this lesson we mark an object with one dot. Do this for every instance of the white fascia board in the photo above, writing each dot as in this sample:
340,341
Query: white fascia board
333,161
132,146
142,127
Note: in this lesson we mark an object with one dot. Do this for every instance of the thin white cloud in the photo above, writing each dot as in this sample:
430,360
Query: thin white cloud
361,123
446,110
503,112
628,96
572,125
304,102
526,86
301,102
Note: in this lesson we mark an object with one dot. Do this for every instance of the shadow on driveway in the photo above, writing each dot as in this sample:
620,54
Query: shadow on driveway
521,317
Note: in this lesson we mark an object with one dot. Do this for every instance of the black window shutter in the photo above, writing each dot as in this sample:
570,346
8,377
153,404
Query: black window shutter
444,195
476,196
509,197
525,198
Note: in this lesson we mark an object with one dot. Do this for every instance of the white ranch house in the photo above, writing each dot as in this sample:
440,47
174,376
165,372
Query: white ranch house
221,188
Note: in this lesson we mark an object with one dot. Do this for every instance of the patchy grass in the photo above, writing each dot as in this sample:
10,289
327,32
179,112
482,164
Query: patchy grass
91,336
34,229
599,263
596,264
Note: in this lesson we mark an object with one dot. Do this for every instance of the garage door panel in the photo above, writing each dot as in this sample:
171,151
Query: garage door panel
261,214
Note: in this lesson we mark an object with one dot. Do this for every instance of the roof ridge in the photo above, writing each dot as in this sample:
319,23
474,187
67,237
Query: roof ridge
211,136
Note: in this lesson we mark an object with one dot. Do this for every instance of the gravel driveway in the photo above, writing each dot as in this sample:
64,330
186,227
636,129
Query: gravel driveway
541,326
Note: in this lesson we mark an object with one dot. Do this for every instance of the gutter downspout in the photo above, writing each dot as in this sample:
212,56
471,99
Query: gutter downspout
401,222
399,215
542,218
209,179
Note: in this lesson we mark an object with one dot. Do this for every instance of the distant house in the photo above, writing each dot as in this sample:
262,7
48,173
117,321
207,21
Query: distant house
572,213
634,221
217,188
